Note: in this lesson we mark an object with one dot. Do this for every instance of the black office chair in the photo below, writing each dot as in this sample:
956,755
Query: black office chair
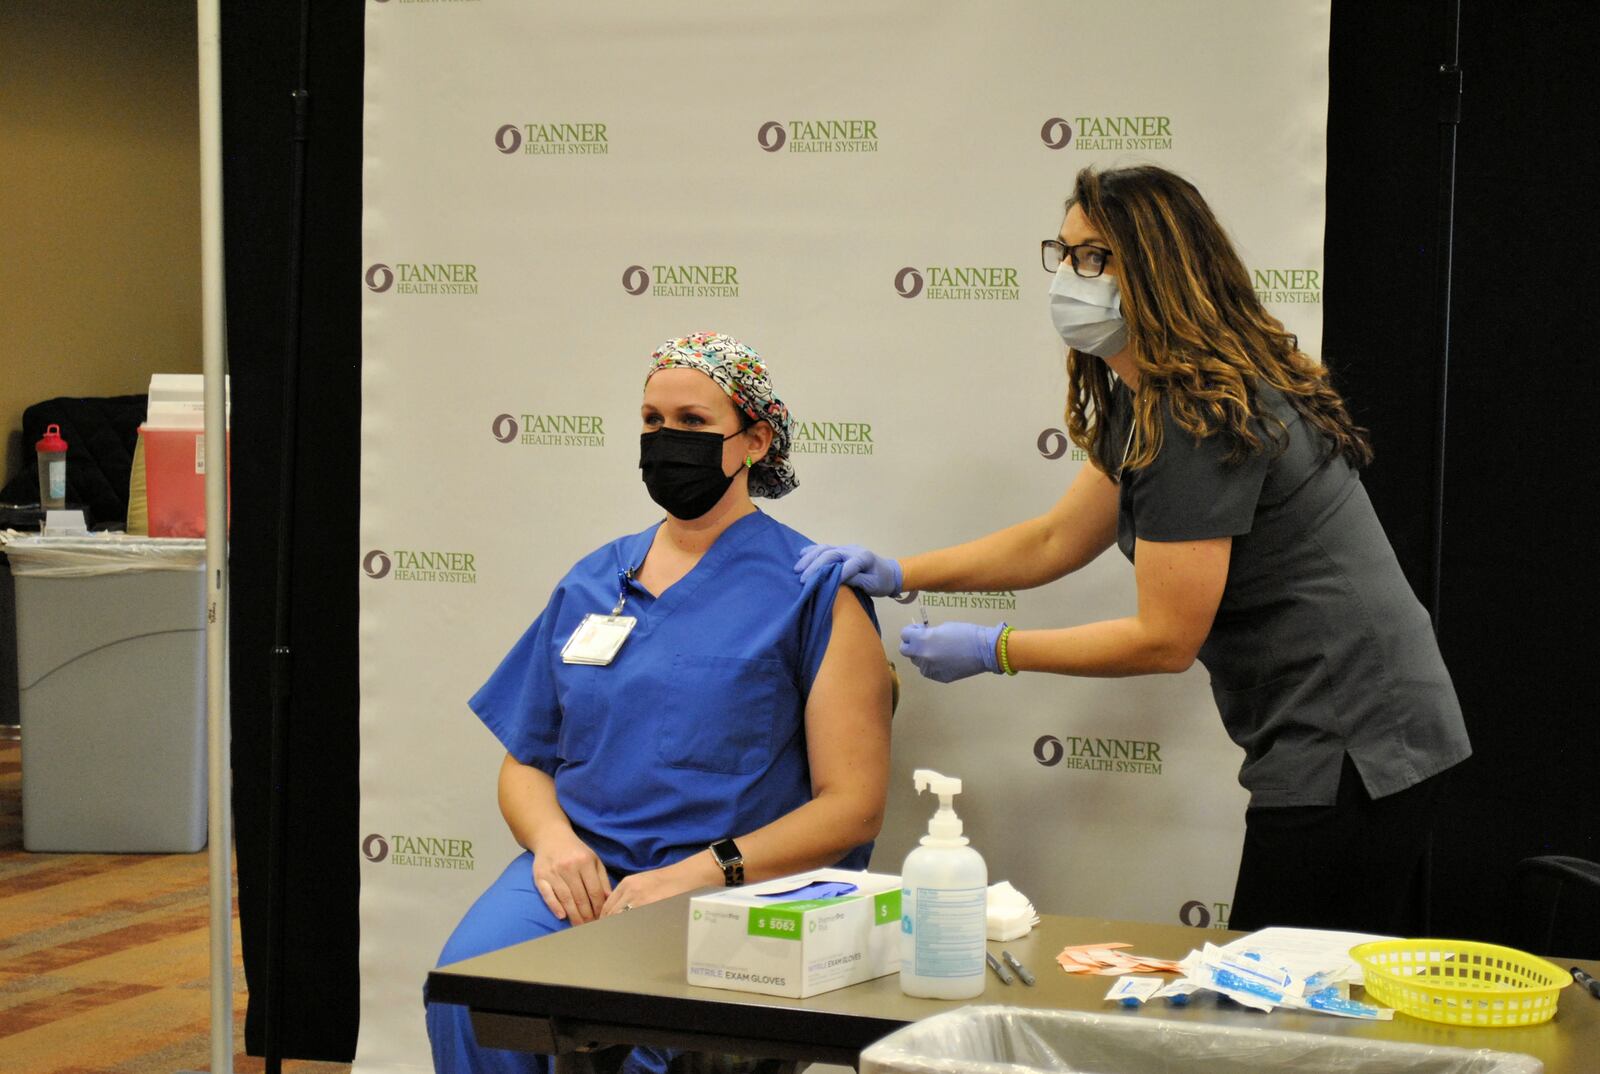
1555,906
101,432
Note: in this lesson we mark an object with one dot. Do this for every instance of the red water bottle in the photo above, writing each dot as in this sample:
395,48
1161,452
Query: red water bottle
52,469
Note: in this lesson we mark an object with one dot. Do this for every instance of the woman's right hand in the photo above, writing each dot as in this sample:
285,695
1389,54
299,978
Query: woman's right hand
874,575
570,878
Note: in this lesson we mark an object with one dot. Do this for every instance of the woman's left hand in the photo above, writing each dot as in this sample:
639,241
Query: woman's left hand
641,889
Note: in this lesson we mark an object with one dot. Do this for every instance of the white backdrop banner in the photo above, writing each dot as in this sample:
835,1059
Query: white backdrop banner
858,191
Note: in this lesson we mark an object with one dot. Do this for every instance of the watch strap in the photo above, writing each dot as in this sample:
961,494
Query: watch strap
727,855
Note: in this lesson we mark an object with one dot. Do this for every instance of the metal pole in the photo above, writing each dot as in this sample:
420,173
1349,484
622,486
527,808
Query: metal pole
1449,76
214,364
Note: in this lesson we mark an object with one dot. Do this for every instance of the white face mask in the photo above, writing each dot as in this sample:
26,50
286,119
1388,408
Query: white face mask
1088,313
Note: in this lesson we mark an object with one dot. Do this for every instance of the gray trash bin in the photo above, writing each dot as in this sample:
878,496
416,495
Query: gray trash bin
1014,1040
8,652
111,677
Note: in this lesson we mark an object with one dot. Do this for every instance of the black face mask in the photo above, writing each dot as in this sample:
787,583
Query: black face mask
682,470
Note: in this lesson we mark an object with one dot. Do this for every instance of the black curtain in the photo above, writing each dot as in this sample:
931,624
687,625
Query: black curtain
260,69
1517,625
1517,590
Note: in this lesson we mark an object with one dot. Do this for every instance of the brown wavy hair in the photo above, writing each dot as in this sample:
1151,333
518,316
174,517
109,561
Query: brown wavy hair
1200,338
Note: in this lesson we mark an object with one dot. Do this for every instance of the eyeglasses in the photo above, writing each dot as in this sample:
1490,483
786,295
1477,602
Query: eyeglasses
1087,259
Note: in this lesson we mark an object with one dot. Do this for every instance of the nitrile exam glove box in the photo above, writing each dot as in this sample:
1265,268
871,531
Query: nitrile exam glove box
772,938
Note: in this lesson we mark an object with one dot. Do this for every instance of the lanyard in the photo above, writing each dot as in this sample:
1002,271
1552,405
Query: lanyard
1133,423
623,578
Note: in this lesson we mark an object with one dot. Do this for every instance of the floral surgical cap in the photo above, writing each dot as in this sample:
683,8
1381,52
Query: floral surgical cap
739,371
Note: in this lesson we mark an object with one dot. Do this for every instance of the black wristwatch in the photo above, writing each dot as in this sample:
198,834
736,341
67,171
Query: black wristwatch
726,851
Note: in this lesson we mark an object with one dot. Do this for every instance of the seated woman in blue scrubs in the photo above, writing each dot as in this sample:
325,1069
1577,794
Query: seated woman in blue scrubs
740,732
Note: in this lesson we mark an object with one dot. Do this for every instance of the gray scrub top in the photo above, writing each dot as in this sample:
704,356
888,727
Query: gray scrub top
1319,648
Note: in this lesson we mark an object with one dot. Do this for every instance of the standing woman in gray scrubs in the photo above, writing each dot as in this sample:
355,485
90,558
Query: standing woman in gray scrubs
1225,469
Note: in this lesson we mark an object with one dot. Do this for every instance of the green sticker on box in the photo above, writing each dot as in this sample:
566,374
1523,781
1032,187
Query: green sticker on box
886,908
770,921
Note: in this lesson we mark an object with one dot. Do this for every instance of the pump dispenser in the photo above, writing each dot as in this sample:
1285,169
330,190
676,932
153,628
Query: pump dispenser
945,827
943,904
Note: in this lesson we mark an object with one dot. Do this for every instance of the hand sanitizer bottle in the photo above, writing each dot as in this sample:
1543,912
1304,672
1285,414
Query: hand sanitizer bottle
943,903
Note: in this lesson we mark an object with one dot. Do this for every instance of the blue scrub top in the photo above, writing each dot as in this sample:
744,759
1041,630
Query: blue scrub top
695,732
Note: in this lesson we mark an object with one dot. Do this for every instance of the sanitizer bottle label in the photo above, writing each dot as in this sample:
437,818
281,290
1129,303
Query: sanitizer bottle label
947,931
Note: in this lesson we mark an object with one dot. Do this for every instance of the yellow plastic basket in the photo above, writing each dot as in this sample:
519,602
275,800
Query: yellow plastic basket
1461,982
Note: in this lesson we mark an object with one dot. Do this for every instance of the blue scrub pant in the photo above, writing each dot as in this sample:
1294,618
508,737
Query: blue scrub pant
510,912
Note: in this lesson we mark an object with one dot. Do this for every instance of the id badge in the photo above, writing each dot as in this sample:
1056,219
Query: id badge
597,639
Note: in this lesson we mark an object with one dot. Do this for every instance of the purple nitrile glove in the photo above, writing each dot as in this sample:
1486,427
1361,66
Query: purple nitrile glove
951,651
874,575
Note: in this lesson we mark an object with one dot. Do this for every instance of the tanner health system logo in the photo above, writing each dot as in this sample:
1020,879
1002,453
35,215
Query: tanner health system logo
422,278
997,600
1300,285
832,438
1103,133
550,430
1055,444
423,851
959,283
417,565
819,136
1200,915
1124,756
682,281
552,139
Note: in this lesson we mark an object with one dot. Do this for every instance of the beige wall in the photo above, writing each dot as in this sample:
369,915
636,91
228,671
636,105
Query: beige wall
99,200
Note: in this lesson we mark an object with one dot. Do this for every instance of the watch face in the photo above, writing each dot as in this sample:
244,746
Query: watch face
725,851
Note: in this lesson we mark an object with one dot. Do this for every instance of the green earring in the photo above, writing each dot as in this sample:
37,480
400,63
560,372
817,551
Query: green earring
748,462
